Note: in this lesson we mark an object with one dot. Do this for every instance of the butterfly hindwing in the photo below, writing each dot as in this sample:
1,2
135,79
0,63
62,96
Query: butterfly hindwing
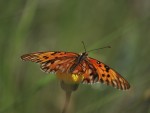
106,75
90,74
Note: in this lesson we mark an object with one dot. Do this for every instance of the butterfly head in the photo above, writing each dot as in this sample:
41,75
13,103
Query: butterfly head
84,54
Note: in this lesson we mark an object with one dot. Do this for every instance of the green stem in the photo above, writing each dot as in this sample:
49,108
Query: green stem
68,95
68,88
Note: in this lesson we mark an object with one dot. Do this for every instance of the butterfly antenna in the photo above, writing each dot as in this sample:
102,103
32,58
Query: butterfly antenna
84,46
99,48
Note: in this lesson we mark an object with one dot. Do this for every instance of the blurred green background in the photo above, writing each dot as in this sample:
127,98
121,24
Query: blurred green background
51,25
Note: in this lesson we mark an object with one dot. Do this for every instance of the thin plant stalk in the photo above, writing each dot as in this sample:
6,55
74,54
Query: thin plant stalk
68,88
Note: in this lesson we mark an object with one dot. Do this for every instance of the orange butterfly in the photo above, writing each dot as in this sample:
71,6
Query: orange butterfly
76,68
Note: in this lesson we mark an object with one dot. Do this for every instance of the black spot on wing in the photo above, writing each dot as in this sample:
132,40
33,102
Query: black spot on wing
45,57
55,53
36,60
107,68
50,61
56,57
101,80
108,75
95,77
100,65
103,75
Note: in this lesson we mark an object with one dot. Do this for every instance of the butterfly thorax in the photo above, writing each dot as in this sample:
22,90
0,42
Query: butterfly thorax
78,60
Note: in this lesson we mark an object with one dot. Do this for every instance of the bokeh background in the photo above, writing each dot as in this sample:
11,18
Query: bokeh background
50,25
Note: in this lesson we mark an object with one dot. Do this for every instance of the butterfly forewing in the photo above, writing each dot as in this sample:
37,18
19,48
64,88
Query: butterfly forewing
40,57
57,62
107,75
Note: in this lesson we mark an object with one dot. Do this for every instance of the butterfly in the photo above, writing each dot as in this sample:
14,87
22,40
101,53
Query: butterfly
77,68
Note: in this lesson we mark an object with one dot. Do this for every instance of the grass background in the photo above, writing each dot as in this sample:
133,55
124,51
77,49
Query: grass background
40,25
